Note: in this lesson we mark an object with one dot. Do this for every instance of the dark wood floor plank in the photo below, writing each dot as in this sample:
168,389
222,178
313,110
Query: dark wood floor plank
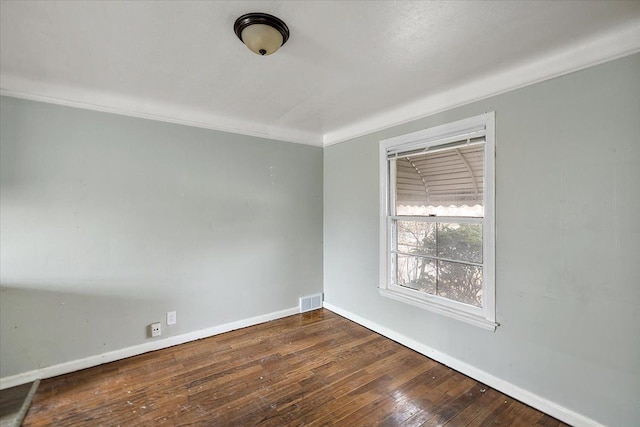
488,417
316,368
438,407
484,399
548,421
379,378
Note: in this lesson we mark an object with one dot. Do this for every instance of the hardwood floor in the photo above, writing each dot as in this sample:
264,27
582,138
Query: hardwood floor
314,369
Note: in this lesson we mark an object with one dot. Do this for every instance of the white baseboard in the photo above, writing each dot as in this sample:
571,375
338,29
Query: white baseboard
88,362
548,407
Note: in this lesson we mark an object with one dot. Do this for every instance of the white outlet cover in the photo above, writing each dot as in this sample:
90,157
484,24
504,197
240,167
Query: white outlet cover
156,329
172,318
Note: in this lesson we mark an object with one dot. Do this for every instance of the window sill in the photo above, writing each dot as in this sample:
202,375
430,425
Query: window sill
471,319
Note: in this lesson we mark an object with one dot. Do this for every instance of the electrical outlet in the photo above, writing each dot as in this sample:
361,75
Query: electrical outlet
172,319
156,329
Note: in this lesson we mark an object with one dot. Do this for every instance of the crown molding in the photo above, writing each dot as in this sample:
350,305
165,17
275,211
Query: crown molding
587,53
126,106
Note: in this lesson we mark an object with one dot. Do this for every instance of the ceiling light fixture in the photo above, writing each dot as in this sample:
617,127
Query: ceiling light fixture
262,33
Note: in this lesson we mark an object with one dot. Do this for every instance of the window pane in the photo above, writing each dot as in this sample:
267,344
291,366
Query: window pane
416,273
461,242
460,282
417,238
443,183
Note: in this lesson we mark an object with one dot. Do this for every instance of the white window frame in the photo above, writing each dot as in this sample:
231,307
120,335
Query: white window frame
485,316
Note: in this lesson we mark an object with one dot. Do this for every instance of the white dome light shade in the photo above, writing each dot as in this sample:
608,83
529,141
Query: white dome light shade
262,33
262,39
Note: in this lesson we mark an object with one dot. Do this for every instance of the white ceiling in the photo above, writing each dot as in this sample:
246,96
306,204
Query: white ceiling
349,68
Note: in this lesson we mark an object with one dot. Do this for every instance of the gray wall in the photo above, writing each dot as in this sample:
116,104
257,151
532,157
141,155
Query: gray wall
107,222
568,242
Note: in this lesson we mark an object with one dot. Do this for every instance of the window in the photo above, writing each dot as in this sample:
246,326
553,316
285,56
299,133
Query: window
437,220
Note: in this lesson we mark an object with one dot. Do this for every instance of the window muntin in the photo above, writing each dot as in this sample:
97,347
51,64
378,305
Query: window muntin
439,258
437,227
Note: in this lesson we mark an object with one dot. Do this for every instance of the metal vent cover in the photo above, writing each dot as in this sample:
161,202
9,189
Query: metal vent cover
310,302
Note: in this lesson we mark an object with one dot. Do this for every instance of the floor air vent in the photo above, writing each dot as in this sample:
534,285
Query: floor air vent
310,302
